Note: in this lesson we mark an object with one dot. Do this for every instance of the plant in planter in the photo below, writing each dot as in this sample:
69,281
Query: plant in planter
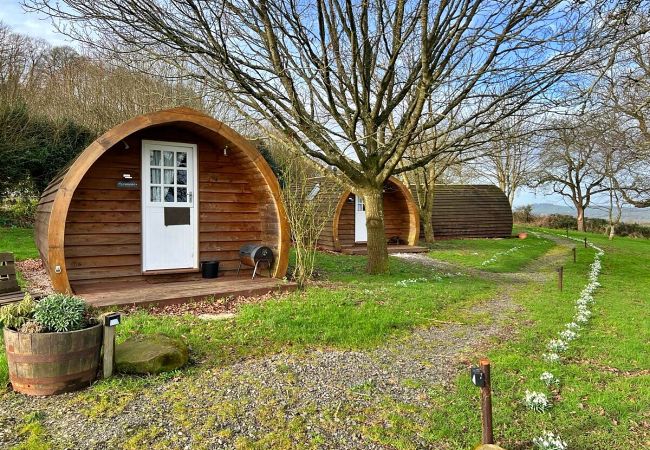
62,351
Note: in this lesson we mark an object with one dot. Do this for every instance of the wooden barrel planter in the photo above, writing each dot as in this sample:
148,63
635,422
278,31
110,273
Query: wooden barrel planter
52,363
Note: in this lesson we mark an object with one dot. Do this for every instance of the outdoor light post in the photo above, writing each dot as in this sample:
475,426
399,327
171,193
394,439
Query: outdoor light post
585,242
574,254
111,320
481,378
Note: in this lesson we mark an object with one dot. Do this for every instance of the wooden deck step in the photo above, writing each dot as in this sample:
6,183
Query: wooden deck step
143,293
363,250
11,297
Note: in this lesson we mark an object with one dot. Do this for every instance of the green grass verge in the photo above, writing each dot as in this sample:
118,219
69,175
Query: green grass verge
342,314
604,393
19,241
353,310
494,255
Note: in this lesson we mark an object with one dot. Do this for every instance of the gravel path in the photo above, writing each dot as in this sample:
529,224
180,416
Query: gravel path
325,398
35,275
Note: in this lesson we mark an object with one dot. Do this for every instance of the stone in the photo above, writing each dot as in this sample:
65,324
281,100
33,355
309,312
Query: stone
220,316
150,354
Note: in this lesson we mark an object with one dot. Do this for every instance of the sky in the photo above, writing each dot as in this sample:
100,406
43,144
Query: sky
31,24
39,26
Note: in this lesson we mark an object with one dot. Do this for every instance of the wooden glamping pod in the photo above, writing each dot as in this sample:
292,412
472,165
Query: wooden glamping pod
133,217
345,230
471,211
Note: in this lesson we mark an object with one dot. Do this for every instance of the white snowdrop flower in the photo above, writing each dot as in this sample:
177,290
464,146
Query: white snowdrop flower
568,335
537,401
572,326
551,357
404,283
549,441
549,379
557,346
496,256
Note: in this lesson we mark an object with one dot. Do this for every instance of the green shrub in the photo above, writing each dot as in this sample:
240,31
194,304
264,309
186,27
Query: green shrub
15,315
18,212
61,312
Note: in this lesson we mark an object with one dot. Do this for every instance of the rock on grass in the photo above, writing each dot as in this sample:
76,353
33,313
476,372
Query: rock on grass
150,354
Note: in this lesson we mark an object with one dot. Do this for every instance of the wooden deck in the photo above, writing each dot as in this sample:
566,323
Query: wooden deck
144,293
11,297
362,249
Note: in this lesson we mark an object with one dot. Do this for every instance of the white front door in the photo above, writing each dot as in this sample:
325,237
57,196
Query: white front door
360,230
169,212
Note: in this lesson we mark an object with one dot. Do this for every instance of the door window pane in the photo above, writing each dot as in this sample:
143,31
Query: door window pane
168,159
181,194
181,159
155,176
181,177
154,158
155,193
169,194
169,176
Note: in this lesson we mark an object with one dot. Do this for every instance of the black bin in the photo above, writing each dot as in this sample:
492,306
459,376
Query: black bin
210,269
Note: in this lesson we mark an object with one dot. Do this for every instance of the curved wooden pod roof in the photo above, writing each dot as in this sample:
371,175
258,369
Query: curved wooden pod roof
471,211
55,201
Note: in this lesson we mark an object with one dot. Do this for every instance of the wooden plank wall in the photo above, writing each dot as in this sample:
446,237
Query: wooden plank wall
471,211
396,217
103,228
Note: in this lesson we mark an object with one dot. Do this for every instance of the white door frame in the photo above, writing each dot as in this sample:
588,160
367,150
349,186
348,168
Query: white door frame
360,228
193,203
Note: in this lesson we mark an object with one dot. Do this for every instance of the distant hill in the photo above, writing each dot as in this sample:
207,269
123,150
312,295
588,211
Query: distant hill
630,215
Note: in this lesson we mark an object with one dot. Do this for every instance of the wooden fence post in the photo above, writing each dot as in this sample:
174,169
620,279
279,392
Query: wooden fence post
560,278
486,403
574,254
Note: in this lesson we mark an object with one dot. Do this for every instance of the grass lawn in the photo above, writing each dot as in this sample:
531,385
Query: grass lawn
494,255
603,398
19,241
341,314
601,403
353,310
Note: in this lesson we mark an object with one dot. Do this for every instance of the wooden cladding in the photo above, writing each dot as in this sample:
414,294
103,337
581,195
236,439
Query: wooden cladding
106,256
401,217
90,230
471,211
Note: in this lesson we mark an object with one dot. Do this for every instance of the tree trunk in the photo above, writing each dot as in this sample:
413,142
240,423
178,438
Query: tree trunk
426,216
373,199
581,218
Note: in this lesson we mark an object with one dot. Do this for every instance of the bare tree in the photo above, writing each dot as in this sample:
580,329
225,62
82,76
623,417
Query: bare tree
422,180
509,156
305,210
347,82
569,165
620,95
